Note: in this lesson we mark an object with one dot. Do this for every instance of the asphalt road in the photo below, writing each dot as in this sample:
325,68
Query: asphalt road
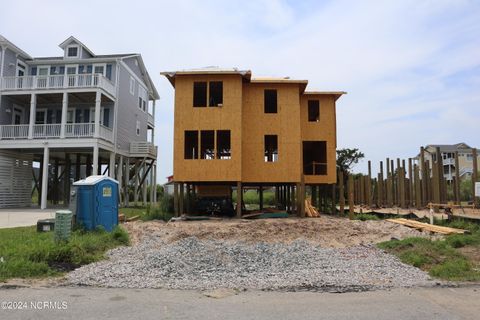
98,303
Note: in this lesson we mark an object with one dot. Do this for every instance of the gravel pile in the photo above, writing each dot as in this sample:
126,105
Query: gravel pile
191,263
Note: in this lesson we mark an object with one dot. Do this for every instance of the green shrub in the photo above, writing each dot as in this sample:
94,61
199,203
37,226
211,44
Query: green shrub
166,204
439,257
121,236
455,269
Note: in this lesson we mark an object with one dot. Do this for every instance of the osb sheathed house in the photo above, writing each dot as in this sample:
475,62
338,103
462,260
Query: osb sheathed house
236,130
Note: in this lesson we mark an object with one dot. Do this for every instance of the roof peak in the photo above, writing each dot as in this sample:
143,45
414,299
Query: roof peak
72,38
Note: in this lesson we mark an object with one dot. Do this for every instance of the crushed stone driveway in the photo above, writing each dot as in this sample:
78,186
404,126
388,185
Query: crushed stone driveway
321,255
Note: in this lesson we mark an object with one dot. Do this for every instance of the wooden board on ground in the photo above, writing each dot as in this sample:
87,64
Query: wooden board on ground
427,227
133,218
311,211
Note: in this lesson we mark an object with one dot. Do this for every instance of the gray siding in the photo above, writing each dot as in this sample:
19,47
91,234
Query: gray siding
15,179
10,63
84,54
130,62
129,113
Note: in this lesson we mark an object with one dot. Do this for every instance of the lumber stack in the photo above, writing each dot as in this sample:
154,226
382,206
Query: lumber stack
311,211
427,227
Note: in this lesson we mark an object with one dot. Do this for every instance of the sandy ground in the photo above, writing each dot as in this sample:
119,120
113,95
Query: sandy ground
326,231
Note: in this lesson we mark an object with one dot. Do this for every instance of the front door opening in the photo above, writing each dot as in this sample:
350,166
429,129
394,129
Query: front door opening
271,148
314,157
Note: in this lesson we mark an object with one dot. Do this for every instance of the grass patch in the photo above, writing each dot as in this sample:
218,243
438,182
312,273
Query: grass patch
365,217
162,211
133,211
252,197
29,254
441,258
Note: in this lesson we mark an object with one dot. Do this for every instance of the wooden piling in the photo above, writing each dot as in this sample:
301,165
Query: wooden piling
260,198
334,199
423,176
457,179
389,183
401,185
175,199
437,178
181,201
313,192
342,192
410,183
418,187
239,199
369,185
380,187
350,197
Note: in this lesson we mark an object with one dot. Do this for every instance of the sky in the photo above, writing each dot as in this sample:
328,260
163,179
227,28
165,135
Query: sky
411,68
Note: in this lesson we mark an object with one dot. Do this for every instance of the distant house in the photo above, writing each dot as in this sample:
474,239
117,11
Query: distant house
168,186
77,114
465,158
234,130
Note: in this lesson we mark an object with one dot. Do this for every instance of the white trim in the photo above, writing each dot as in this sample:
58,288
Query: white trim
17,67
92,113
132,85
20,110
72,111
70,66
43,67
44,110
72,46
103,65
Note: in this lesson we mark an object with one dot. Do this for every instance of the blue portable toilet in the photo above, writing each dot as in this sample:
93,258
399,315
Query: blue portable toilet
97,202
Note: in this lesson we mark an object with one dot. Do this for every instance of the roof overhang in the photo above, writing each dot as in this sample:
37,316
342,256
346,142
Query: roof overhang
171,75
4,42
268,80
151,87
335,94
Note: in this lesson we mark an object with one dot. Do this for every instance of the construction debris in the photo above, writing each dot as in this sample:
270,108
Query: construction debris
266,215
122,218
134,218
310,211
193,218
427,227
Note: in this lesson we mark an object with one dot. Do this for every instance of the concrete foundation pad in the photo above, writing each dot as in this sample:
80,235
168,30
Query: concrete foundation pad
11,218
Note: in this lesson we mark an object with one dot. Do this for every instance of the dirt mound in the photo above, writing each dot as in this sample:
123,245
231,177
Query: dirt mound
326,231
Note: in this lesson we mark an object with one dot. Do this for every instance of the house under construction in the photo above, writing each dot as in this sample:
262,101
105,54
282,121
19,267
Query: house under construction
233,130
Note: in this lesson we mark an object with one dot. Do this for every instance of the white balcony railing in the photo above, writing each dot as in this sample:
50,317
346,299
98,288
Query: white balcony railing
87,80
449,162
46,130
19,131
79,130
143,148
150,119
106,133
